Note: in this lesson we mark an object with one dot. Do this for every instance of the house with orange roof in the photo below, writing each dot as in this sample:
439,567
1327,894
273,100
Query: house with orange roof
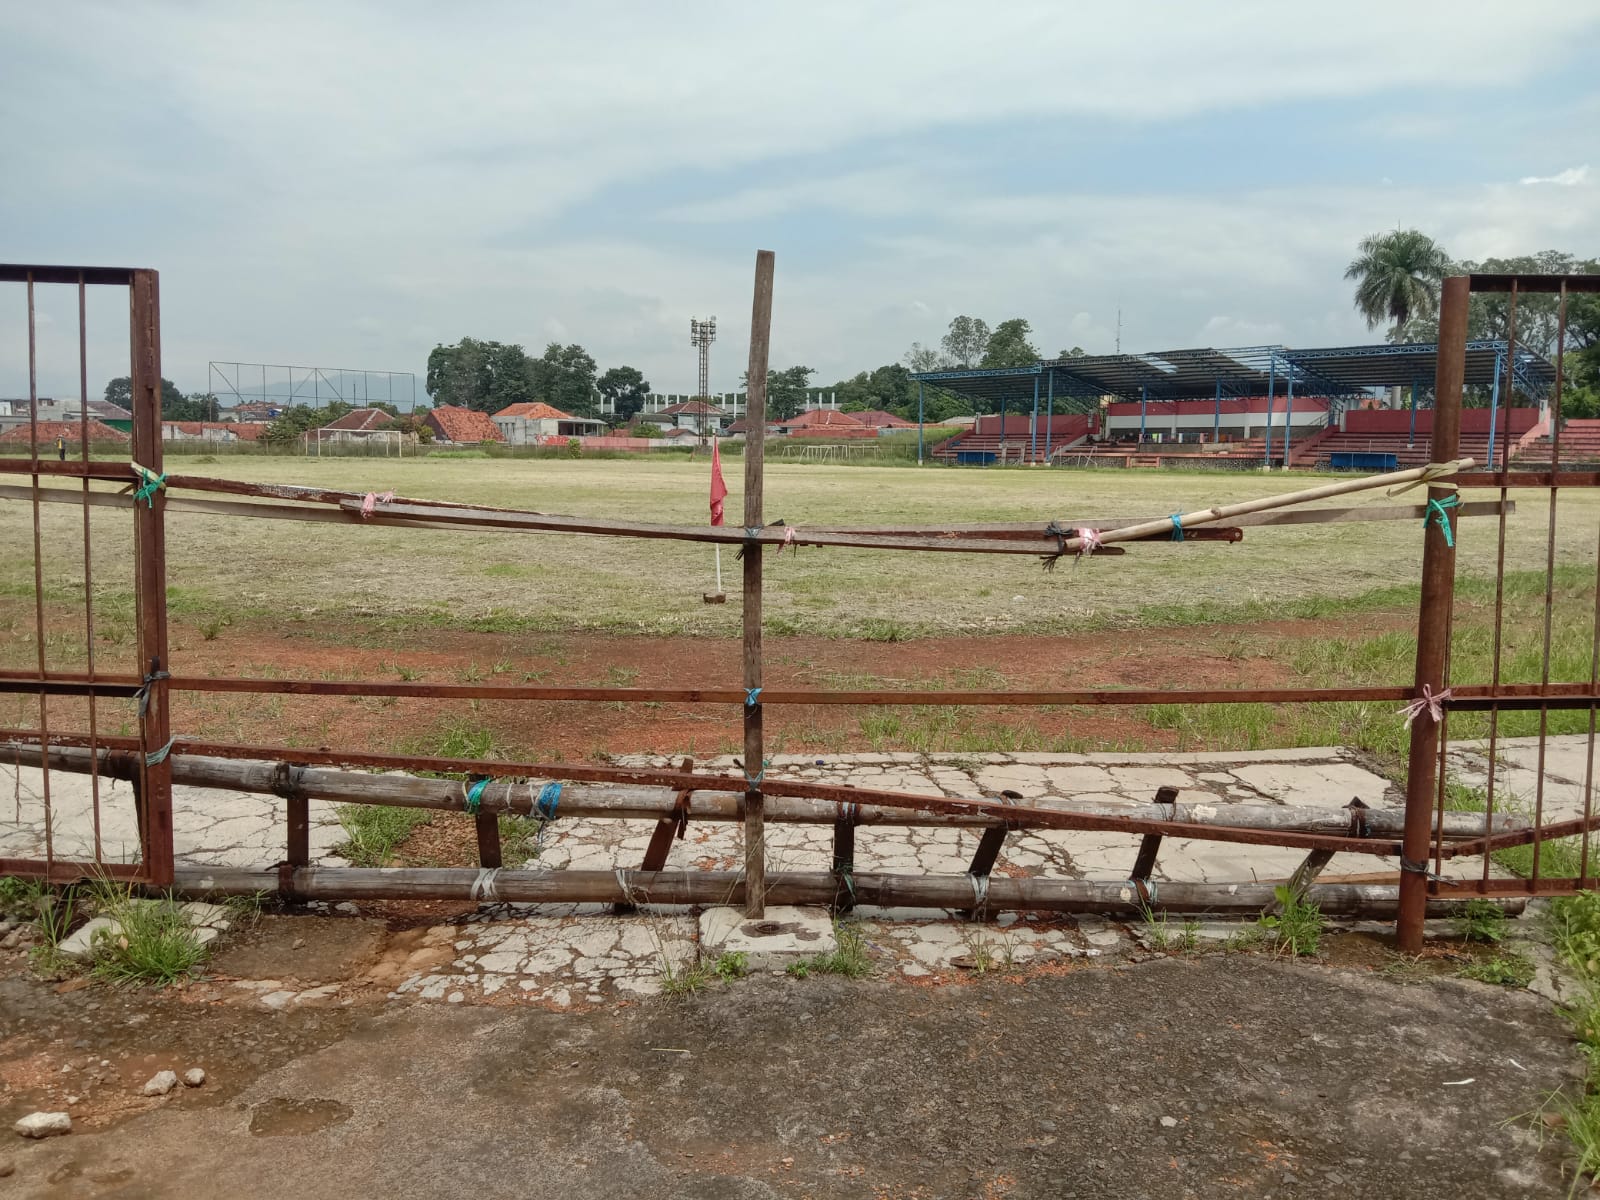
462,426
530,423
67,431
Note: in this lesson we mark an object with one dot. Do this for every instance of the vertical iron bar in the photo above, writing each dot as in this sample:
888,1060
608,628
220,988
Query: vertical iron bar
1549,585
1494,407
1594,685
38,576
150,561
1288,421
1033,429
88,569
919,422
755,863
1500,577
1438,575
1216,416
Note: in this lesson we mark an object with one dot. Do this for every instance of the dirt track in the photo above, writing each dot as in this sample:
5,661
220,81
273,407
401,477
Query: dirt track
1214,1077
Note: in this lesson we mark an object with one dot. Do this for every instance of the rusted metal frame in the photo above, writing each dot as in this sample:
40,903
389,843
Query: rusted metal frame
1549,581
1467,698
114,472
1144,864
1526,479
62,870
1446,888
38,569
150,562
88,556
1438,577
755,766
669,827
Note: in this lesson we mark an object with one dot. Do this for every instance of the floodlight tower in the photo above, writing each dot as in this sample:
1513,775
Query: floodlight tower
701,335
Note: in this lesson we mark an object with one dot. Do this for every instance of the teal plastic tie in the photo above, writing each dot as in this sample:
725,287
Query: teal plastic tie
1438,510
1177,526
152,484
752,697
160,755
549,797
475,796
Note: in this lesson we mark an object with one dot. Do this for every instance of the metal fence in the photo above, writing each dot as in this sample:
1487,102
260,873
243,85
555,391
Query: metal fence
1428,834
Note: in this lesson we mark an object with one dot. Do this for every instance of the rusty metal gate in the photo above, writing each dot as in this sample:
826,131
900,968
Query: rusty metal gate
142,760
1442,687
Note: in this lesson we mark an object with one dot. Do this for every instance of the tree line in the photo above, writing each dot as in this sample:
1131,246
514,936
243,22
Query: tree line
1398,276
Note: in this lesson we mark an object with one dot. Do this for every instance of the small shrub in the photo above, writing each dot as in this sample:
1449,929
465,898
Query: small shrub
1296,927
1508,969
734,964
156,943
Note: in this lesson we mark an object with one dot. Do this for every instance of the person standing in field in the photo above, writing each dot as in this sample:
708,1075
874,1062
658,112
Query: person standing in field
61,449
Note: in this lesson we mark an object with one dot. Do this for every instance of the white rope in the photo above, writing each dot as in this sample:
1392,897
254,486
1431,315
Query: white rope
483,887
980,891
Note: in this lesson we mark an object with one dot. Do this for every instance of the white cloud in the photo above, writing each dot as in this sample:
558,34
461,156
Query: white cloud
445,178
1571,177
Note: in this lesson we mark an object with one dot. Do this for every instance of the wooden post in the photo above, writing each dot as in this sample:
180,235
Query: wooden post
755,863
150,571
1433,620
487,827
1150,844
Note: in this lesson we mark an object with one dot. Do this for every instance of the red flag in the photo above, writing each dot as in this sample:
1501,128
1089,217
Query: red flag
719,489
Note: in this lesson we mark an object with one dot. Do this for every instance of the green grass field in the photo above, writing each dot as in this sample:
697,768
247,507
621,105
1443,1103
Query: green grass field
231,569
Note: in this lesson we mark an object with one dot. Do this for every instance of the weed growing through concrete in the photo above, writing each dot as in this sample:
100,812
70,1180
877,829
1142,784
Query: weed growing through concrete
1167,938
731,965
373,831
850,957
1507,968
1296,928
154,942
1481,921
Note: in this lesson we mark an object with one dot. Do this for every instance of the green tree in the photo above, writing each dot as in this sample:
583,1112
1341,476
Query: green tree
626,388
565,377
1008,346
1397,276
966,341
120,392
302,418
923,359
1075,352
786,391
483,375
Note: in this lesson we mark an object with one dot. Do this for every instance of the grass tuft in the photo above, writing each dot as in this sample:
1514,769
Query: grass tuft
1296,928
374,831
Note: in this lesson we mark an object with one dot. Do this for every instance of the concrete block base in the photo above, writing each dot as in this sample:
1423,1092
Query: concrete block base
771,943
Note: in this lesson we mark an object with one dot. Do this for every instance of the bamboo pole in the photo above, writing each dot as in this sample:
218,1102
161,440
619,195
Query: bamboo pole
646,802
786,887
1224,512
755,866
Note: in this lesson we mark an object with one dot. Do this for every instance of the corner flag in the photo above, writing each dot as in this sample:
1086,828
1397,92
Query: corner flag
719,489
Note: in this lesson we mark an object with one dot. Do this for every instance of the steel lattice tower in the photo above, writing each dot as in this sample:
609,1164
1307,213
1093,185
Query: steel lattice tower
701,335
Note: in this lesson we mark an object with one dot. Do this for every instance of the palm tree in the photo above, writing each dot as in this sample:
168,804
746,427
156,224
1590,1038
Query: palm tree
1397,277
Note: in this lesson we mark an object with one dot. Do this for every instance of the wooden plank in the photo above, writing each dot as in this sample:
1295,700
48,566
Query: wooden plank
299,817
1304,876
755,864
844,857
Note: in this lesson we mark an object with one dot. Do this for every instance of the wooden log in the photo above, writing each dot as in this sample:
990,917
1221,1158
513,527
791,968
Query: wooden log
719,803
755,419
786,887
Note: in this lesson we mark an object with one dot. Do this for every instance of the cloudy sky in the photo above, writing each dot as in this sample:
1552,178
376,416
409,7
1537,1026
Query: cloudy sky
348,185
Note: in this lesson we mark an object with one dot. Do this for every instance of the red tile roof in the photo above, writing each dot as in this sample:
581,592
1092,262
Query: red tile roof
535,411
362,419
463,425
49,431
879,419
693,407
248,431
819,418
